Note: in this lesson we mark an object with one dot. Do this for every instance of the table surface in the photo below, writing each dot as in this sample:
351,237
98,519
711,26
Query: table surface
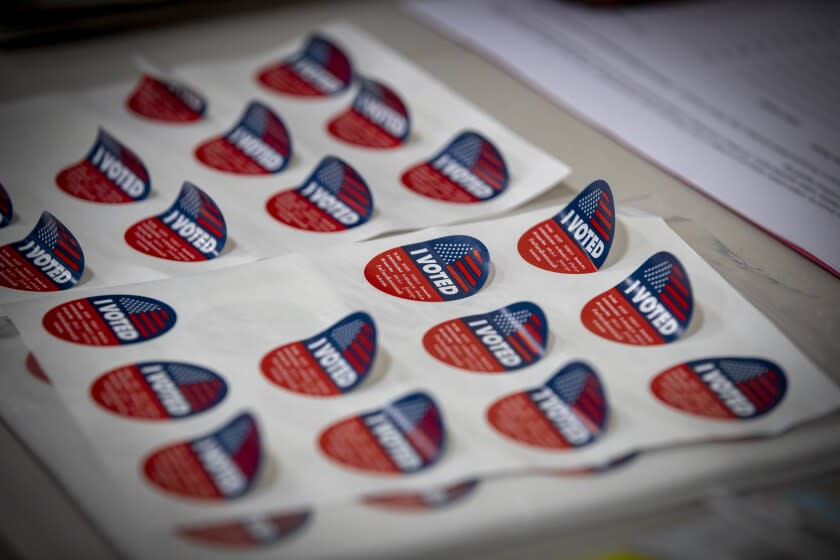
802,299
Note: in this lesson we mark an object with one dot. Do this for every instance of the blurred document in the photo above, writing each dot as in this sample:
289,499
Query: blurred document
737,98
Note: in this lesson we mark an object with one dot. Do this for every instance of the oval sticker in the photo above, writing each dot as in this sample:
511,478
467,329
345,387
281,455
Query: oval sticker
321,69
728,388
110,173
165,101
192,229
506,339
330,363
442,269
109,320
6,208
49,259
378,118
251,532
578,238
158,390
333,198
222,465
35,370
651,306
258,144
468,170
568,411
404,437
411,502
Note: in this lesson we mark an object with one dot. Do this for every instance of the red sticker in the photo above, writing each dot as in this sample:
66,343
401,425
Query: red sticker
49,259
166,101
35,370
192,230
411,502
378,118
222,465
321,69
578,238
253,532
651,306
728,388
110,173
568,411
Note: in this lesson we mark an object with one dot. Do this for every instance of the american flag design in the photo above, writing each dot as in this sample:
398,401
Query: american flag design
464,259
222,465
263,123
355,338
344,183
150,317
248,532
57,242
372,91
725,388
595,205
434,499
320,69
198,206
158,390
125,156
166,101
569,410
6,208
377,118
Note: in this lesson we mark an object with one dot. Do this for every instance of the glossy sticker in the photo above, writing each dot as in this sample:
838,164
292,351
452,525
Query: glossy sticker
259,144
109,320
158,390
442,269
404,437
333,198
578,238
411,502
651,306
378,118
222,465
110,173
165,101
251,532
327,364
567,412
728,388
321,69
193,229
468,170
35,370
49,259
506,339
6,208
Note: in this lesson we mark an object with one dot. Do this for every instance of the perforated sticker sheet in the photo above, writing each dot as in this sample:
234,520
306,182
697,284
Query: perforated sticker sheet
330,139
401,364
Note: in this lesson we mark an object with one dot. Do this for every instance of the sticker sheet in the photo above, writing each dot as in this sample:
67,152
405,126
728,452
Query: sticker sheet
329,139
413,362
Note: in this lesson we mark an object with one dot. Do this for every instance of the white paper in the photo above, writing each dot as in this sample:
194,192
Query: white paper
46,134
734,99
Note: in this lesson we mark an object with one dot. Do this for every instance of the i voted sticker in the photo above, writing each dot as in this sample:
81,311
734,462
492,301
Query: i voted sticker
578,238
442,269
35,370
49,259
321,69
109,320
468,170
378,118
567,412
222,465
506,339
192,230
730,388
330,363
403,437
110,173
415,502
258,144
6,208
651,306
333,198
250,532
158,390
166,101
